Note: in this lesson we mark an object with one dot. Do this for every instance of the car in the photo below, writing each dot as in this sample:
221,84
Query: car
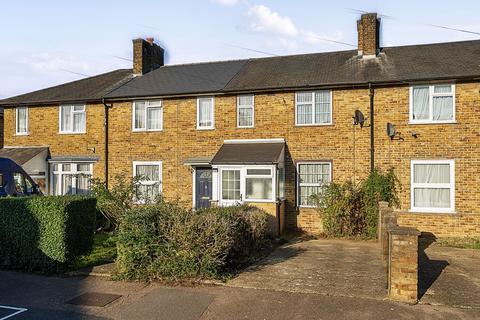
14,181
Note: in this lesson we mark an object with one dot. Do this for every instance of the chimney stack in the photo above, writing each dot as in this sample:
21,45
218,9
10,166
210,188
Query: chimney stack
368,28
147,56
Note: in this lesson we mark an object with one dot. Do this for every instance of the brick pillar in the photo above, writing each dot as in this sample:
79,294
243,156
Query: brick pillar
403,264
387,219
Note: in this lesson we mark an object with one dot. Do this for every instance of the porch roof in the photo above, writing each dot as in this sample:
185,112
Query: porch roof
21,155
238,152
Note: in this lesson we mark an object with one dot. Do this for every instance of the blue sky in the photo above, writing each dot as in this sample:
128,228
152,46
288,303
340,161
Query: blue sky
43,42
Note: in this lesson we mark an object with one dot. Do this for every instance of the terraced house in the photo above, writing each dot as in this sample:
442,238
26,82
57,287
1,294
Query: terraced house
269,131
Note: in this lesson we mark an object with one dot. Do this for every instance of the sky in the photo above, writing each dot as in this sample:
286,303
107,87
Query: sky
45,43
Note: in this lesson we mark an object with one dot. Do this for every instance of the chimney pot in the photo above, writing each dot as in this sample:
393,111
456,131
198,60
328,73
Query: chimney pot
368,28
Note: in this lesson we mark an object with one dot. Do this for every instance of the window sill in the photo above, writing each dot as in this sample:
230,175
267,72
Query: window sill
22,134
431,211
205,129
157,130
314,125
73,133
307,207
432,122
240,127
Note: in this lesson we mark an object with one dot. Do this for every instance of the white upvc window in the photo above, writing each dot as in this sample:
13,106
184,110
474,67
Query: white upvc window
72,118
245,111
313,108
205,113
147,115
433,185
21,121
311,177
149,184
71,178
432,103
240,184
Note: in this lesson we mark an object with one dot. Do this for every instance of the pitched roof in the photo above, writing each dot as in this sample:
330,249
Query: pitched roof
21,155
181,79
249,153
88,89
452,60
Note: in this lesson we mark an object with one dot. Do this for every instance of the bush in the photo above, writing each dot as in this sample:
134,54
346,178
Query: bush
45,233
166,241
350,210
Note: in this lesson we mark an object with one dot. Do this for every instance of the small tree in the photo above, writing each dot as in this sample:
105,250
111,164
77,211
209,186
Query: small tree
349,209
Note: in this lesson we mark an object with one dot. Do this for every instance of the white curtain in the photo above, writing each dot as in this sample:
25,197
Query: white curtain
22,120
148,172
245,117
443,108
205,112
246,101
322,107
79,121
154,118
231,184
66,121
432,197
139,115
149,186
420,103
304,108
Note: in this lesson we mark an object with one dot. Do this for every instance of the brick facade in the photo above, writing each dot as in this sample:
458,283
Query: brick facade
345,145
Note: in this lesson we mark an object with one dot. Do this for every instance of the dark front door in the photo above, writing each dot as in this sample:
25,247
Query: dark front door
203,187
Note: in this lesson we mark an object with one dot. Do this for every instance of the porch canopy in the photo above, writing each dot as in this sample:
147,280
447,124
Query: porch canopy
250,152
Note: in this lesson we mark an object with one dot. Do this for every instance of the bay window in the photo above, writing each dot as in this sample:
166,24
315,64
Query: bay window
149,180
313,108
147,115
432,103
71,178
433,185
311,178
72,118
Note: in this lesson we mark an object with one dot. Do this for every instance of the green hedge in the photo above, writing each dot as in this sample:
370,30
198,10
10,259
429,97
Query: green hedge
166,241
45,233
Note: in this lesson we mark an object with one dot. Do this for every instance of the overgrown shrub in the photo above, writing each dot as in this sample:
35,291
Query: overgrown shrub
168,241
350,210
45,233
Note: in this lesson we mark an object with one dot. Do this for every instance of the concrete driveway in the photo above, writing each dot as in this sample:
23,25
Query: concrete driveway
330,267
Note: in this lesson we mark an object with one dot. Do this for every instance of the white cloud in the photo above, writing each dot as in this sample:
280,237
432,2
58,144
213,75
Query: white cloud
226,2
263,19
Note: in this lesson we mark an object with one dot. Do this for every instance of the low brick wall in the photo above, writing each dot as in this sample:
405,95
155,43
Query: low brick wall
442,225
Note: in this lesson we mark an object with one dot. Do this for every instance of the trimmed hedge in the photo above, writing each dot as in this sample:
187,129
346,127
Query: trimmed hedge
166,241
45,233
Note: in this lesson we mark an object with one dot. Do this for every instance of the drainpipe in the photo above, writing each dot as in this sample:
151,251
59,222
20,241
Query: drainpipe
105,125
372,127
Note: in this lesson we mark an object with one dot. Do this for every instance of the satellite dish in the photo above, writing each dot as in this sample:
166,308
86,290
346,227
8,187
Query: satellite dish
359,118
391,131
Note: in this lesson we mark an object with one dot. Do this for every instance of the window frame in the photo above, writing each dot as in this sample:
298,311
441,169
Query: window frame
150,163
431,95
72,108
212,126
18,133
450,185
145,118
270,176
72,171
313,124
330,171
245,107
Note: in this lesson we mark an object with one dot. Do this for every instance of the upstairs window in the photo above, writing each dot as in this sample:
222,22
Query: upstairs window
205,113
149,183
312,176
148,115
245,111
432,104
313,108
21,121
72,118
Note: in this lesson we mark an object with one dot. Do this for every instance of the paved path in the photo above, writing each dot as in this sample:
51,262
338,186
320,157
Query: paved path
45,298
331,267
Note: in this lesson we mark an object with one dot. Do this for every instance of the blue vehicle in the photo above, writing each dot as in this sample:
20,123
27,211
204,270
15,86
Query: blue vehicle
14,181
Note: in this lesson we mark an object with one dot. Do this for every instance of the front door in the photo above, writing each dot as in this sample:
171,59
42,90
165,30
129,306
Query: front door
203,187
